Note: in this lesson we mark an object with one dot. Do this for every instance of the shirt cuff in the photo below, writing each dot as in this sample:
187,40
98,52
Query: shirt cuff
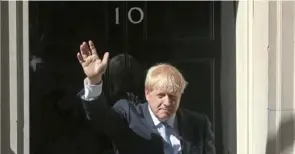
91,92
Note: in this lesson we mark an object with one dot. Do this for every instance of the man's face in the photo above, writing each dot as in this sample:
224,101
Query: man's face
163,104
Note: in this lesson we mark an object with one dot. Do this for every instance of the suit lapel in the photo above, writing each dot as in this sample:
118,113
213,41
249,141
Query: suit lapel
185,131
148,119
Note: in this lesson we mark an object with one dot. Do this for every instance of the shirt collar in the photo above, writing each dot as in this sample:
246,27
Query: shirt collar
156,121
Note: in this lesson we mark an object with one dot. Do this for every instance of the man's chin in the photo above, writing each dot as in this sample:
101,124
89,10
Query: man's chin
165,116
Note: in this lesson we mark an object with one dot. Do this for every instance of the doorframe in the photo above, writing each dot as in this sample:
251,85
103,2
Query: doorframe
14,63
251,75
252,51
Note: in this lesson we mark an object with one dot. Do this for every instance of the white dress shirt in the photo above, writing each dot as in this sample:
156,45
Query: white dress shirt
93,91
173,139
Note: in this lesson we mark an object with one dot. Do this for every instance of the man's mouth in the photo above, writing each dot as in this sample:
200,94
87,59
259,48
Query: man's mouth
165,109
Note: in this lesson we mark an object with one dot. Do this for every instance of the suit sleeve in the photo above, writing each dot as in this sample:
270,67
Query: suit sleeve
106,119
209,145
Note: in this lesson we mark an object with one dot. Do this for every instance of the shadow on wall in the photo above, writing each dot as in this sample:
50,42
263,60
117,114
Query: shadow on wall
287,139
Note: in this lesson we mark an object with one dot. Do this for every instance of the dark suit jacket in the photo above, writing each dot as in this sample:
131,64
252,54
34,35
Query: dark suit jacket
133,132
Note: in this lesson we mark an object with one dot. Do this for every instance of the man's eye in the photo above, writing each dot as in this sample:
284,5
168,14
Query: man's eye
161,95
173,97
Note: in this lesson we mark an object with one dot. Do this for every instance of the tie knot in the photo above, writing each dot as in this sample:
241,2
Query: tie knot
165,124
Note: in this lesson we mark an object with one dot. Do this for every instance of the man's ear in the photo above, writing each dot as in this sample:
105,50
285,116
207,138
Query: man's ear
146,92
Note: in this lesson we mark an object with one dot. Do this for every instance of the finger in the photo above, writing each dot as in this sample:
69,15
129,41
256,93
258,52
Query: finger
84,50
105,58
92,48
80,58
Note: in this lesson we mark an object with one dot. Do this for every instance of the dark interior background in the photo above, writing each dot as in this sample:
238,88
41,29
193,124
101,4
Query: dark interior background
186,34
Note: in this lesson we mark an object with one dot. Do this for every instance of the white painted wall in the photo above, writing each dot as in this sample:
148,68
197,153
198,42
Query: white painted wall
265,77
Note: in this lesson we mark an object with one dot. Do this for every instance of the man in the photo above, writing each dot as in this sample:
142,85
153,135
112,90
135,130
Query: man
155,127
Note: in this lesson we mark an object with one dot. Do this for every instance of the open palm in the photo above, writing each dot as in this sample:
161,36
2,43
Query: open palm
93,66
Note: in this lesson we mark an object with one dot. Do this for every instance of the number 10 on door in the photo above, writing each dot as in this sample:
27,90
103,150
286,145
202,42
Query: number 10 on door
138,9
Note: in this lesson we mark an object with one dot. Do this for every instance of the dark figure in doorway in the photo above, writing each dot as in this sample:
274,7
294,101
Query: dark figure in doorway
125,79
123,70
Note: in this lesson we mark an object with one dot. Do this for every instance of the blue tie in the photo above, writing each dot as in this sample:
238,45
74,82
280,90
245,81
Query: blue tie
166,136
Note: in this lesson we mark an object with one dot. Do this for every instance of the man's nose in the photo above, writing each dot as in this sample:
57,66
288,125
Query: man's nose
167,100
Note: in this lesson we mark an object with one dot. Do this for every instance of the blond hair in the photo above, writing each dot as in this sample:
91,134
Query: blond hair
165,77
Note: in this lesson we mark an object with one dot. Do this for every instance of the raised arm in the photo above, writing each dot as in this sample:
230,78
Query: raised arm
107,119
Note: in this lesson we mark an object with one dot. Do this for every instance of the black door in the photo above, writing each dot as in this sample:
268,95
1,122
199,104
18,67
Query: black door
186,34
